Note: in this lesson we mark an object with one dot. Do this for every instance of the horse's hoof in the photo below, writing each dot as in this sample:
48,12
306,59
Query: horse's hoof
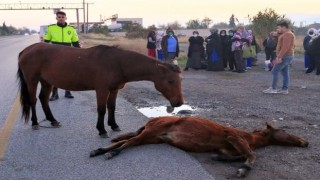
55,124
108,156
35,127
93,153
104,135
117,129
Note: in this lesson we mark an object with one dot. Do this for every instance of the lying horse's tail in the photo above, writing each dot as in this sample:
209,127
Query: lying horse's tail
128,135
24,94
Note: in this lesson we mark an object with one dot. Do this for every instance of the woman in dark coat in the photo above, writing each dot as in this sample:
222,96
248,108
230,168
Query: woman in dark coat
224,47
195,52
214,51
314,53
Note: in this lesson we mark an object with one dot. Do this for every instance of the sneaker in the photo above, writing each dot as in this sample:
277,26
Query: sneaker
270,91
281,91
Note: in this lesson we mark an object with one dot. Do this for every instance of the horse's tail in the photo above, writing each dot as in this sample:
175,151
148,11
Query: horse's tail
128,135
24,94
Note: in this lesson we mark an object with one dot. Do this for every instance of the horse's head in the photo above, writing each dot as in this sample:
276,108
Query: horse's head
281,137
169,83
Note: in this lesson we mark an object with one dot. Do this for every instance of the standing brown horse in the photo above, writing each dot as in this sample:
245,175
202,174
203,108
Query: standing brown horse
102,68
202,135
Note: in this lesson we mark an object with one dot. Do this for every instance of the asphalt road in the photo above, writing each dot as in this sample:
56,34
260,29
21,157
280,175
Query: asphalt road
63,153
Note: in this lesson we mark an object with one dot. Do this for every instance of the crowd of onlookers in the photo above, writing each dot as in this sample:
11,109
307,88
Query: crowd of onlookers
236,50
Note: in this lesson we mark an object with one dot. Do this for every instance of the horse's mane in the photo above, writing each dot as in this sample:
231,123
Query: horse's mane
172,67
105,48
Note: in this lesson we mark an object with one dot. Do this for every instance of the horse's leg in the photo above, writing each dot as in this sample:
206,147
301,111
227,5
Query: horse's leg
243,148
44,99
101,151
111,105
32,88
102,97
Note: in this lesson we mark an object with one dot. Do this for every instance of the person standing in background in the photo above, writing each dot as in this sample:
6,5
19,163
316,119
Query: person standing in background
170,46
62,34
224,47
151,45
230,52
306,44
195,51
238,43
214,53
285,52
159,36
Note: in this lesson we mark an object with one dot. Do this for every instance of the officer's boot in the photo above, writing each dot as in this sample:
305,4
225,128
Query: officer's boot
68,95
54,95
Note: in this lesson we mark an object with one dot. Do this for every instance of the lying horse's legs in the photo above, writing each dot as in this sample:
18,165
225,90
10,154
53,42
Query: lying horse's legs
44,99
228,155
102,97
144,137
111,105
243,148
127,136
106,149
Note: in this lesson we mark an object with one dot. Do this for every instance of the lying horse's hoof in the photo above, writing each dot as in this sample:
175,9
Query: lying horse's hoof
243,171
108,155
117,129
35,127
55,124
104,135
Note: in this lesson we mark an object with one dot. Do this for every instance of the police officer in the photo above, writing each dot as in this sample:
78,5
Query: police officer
63,34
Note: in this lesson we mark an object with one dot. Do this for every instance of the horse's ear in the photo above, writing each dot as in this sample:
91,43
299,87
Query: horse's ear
269,126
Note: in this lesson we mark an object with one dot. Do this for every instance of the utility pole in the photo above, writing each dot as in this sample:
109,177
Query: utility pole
84,17
87,26
78,25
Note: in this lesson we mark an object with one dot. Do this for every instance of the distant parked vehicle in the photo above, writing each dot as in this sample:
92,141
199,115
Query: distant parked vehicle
42,32
115,27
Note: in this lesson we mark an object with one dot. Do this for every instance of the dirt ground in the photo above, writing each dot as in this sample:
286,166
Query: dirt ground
237,100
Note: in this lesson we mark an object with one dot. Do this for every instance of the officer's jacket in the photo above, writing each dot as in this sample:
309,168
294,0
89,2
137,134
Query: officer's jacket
62,34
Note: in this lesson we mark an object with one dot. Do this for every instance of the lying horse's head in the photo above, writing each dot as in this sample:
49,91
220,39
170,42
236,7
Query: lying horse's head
169,83
281,137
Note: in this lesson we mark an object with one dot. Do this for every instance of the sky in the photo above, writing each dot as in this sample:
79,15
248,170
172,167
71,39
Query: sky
165,11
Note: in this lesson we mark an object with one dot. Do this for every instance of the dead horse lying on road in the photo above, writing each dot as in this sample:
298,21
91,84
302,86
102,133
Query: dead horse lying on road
201,135
102,68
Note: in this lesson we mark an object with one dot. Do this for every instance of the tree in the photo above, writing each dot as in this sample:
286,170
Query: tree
221,25
175,25
5,29
206,22
232,23
266,21
99,29
193,24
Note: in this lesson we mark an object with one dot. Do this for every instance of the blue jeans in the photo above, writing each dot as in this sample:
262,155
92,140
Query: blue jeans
282,68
